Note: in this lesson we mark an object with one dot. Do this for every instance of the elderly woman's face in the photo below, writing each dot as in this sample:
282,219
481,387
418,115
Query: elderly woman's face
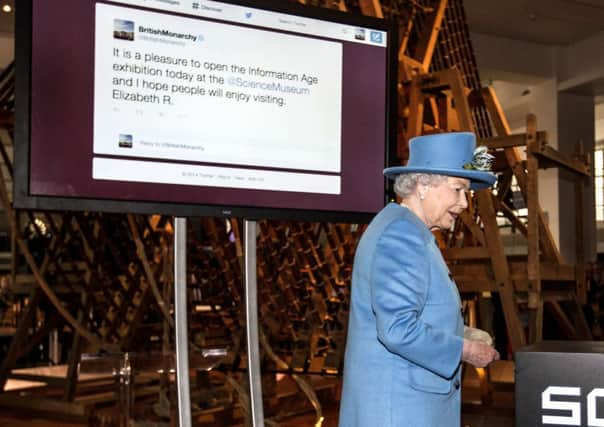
443,203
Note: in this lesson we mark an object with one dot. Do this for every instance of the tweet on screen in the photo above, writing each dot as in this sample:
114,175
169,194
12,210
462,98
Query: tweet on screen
172,91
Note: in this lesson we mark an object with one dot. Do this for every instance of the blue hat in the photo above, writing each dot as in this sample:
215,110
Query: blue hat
450,154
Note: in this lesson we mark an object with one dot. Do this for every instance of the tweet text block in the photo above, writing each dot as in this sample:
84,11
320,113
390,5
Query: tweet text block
181,89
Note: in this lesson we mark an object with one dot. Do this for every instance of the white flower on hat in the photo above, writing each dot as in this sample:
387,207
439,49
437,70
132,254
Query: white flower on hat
481,159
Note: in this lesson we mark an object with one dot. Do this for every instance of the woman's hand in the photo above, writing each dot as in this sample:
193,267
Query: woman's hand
475,334
478,353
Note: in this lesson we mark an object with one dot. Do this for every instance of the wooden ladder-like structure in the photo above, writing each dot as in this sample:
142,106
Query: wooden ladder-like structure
439,91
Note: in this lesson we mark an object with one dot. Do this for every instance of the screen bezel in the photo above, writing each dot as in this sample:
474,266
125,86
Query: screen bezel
22,172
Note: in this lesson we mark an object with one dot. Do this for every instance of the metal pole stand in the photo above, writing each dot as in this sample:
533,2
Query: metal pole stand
251,317
180,322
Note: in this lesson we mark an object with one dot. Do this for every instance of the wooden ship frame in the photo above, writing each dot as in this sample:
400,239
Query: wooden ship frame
102,282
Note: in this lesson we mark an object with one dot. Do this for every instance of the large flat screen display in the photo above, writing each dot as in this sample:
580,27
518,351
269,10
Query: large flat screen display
203,108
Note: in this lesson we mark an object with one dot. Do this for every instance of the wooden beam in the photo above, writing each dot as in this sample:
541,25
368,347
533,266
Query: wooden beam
549,157
532,202
578,316
459,93
500,123
436,82
74,356
467,220
451,113
371,8
467,284
509,141
136,318
427,41
39,378
467,253
475,276
510,215
416,114
535,303
566,326
551,271
501,270
405,36
495,110
6,142
504,184
25,322
149,275
408,67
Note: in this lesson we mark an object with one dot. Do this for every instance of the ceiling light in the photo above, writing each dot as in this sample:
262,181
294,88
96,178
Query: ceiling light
6,8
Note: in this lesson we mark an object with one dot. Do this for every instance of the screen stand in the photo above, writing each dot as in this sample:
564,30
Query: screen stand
251,317
180,322
180,317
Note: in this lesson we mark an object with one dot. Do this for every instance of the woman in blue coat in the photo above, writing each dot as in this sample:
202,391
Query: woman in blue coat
405,339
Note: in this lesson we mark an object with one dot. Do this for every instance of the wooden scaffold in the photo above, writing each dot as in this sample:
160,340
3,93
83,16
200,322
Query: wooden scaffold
104,280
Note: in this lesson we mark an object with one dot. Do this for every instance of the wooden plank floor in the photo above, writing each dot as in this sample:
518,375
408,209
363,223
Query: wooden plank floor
8,419
331,420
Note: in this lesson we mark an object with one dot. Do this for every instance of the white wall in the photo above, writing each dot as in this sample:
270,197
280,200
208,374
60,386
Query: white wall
581,62
512,60
576,124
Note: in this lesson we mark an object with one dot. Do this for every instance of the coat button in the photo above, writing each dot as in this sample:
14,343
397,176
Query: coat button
456,384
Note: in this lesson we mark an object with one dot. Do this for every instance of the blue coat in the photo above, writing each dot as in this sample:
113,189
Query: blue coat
405,334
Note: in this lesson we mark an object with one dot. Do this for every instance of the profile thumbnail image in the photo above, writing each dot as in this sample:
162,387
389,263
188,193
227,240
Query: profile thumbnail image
359,34
123,30
125,140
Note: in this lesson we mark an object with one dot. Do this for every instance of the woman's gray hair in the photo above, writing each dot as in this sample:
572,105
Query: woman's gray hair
406,183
